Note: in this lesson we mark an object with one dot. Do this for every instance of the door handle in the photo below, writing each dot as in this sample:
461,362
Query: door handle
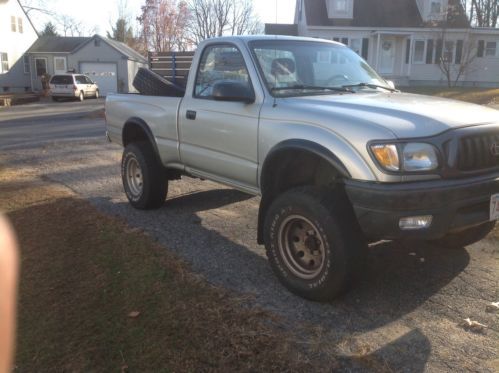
190,114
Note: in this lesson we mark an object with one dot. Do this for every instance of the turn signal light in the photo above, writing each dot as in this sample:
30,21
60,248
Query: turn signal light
387,156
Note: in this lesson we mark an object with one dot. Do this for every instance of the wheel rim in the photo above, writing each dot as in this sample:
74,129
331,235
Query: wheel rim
301,246
134,177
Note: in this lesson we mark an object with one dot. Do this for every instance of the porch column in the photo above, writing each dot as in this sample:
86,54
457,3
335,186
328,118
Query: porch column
377,51
410,56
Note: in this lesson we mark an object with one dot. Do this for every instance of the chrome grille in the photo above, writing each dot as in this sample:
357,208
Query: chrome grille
478,152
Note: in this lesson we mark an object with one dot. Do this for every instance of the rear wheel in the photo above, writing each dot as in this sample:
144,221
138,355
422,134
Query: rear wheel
466,237
144,178
314,243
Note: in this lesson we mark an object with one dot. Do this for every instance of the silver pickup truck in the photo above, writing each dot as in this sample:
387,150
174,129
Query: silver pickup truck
339,157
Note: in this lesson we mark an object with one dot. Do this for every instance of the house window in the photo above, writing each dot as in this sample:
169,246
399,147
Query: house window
356,45
4,63
60,65
13,24
419,51
448,52
27,67
491,49
20,25
340,5
436,7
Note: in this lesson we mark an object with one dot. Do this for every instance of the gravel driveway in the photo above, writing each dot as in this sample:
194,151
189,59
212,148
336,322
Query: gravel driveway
404,316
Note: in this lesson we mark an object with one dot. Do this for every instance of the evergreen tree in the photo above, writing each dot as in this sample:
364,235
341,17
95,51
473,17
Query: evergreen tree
49,30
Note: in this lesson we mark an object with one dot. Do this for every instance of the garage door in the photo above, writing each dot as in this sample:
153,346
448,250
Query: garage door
104,74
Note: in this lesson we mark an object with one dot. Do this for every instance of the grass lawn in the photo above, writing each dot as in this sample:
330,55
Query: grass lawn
97,296
482,96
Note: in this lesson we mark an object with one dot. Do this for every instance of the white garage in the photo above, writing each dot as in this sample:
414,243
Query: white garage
111,64
104,74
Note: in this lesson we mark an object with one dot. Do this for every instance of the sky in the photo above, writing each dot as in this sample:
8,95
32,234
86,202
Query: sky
100,14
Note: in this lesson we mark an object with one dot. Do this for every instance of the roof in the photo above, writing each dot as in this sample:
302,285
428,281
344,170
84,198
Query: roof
381,13
124,49
57,44
65,44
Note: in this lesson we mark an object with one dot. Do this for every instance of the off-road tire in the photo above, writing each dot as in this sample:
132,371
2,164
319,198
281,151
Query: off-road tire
149,83
466,237
339,236
153,176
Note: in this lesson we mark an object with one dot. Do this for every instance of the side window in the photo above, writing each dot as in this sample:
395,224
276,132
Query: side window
80,79
88,80
219,63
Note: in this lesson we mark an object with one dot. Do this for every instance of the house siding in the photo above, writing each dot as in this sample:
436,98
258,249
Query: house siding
482,72
15,45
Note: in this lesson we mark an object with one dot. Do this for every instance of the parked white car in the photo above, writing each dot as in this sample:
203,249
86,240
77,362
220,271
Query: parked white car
72,86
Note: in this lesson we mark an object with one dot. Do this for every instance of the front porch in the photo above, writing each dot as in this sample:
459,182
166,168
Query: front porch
391,54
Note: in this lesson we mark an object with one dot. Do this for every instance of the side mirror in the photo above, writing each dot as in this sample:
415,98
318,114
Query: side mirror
391,84
233,91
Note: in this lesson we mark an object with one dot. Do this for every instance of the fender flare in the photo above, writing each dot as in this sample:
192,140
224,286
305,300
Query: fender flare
292,144
143,125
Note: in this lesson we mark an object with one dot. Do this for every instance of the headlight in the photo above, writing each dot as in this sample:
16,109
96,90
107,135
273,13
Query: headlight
419,157
415,157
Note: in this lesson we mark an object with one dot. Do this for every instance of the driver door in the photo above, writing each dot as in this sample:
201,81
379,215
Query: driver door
218,139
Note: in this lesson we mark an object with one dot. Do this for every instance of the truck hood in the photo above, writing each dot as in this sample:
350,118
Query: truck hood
405,115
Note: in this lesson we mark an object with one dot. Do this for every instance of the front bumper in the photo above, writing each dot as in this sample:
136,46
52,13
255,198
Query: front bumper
454,205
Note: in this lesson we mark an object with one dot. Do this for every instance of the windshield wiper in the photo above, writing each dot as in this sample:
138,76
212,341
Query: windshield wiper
370,85
312,87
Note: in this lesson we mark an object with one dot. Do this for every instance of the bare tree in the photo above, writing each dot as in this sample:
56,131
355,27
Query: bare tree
485,13
454,57
212,18
163,25
36,6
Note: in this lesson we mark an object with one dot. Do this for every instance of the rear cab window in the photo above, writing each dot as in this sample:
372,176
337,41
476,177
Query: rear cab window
62,80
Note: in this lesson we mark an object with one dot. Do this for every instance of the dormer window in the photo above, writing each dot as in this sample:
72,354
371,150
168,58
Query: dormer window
340,9
436,7
340,6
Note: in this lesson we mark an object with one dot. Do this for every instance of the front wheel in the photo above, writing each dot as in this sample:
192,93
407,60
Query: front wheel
144,178
97,94
314,243
81,97
466,237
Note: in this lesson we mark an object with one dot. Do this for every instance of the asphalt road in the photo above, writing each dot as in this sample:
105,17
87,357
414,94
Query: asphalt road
47,122
405,315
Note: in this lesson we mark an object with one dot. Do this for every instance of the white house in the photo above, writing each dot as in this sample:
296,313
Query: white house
17,34
404,40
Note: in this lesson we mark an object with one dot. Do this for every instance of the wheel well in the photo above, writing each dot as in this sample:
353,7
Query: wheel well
293,168
134,132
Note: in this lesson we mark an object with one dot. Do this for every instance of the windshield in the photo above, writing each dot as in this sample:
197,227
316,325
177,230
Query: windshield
292,68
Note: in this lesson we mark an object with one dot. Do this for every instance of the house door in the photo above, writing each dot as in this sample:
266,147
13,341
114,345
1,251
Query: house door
41,70
387,56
